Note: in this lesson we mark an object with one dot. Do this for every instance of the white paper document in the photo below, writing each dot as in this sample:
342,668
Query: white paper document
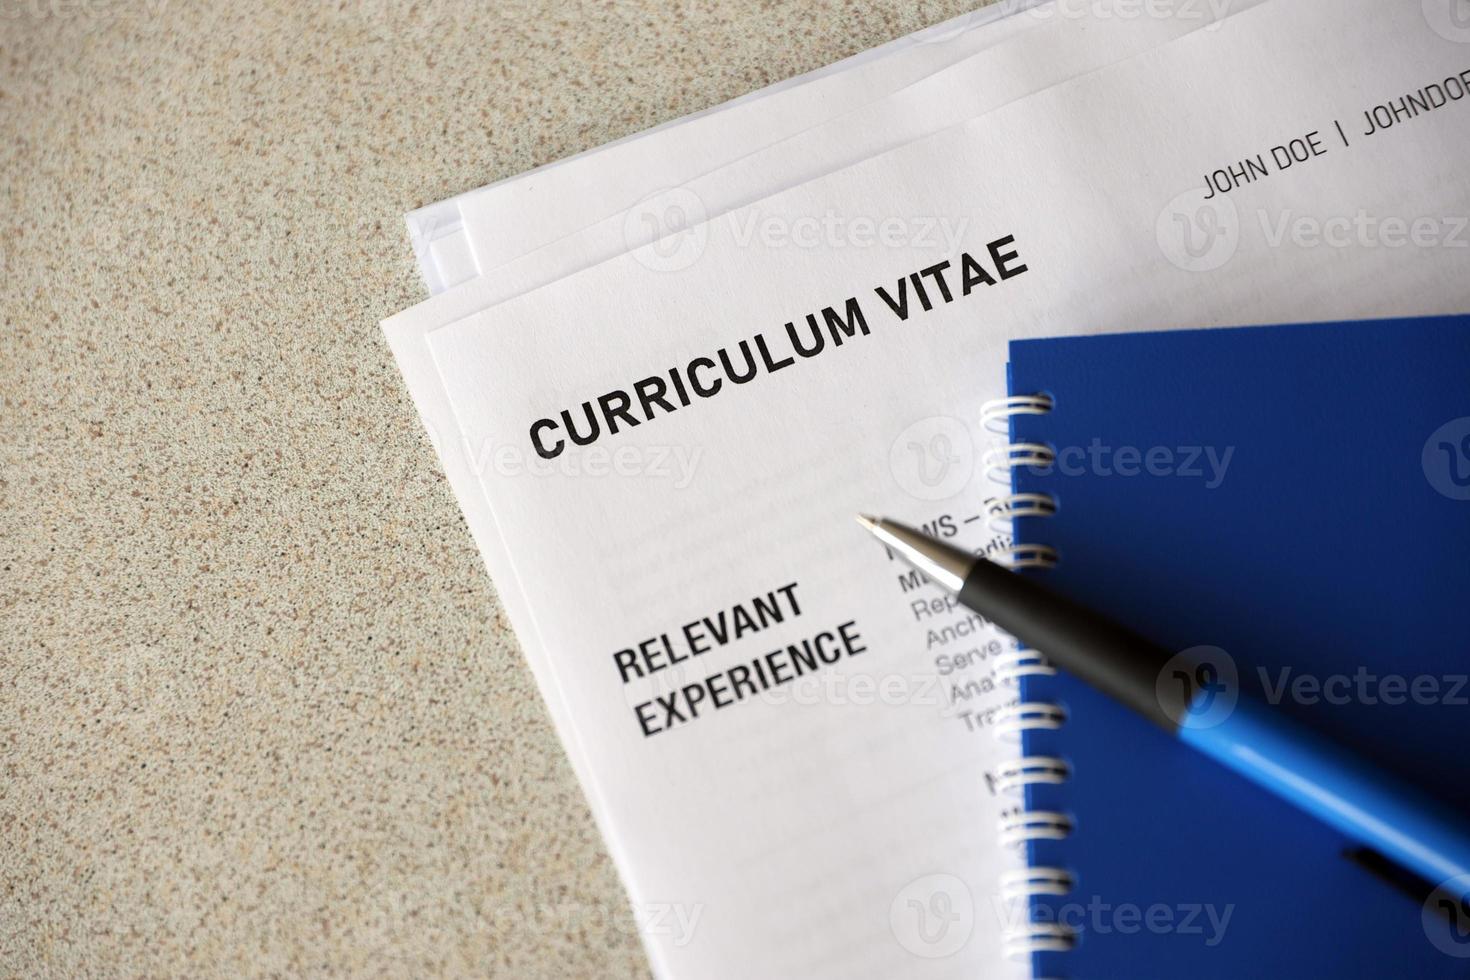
788,740
1068,41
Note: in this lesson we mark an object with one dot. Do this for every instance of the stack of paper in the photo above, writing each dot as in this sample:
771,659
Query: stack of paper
663,375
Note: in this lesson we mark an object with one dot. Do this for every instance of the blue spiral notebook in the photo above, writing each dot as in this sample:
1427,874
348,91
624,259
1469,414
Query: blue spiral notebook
1298,496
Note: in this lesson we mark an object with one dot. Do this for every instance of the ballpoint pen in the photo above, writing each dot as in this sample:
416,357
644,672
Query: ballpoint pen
1276,752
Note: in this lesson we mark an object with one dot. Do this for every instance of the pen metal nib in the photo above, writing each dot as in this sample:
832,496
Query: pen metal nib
942,562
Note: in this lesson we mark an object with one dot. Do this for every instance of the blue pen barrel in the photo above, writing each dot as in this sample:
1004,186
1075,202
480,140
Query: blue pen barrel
1365,803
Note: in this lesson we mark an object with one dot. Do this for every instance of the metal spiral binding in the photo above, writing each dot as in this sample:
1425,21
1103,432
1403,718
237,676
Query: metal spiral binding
1019,826
1027,770
1014,719
995,415
1011,666
998,461
1027,556
1002,510
1035,937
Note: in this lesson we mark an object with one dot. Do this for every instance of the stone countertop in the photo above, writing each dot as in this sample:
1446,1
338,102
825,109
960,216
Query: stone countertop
260,711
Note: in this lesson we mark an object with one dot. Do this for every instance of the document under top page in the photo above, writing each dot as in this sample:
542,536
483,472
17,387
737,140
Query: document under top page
479,231
787,736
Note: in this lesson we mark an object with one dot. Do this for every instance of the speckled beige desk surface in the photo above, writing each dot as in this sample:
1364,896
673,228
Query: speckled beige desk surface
260,713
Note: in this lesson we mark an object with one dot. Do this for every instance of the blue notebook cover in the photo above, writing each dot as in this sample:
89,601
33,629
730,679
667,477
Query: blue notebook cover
1298,496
